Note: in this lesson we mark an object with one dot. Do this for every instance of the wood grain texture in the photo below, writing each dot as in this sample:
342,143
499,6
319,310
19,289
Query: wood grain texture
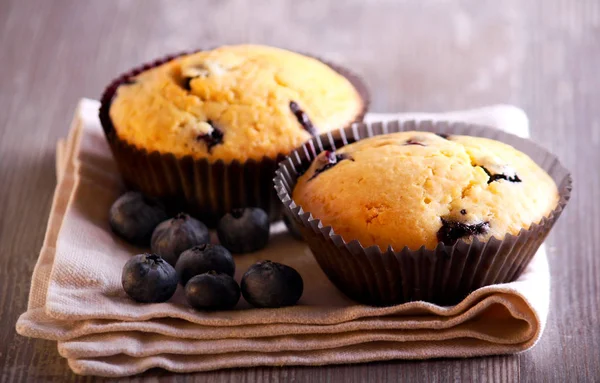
430,55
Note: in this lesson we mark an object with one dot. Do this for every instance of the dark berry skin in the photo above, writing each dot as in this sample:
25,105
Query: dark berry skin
414,141
271,284
452,231
147,278
187,83
134,217
328,160
172,237
303,118
511,177
202,259
244,230
215,137
212,291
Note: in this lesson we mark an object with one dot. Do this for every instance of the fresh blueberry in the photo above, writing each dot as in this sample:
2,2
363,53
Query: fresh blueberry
244,230
271,284
202,259
147,278
292,228
212,291
172,237
133,217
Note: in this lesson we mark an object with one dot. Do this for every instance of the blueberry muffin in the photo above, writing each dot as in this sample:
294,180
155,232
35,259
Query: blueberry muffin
418,189
204,131
233,103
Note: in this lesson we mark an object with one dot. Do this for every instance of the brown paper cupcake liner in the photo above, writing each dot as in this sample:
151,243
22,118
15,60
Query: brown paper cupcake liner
444,275
205,189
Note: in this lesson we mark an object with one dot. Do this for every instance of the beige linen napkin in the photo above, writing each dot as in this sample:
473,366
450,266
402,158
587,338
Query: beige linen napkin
77,299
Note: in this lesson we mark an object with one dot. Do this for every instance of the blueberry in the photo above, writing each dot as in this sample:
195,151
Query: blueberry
213,137
414,141
292,228
172,237
303,118
327,160
212,291
148,278
452,231
202,259
244,230
133,217
510,175
271,284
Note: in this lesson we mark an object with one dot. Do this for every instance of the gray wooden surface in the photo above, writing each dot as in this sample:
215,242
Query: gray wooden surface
543,55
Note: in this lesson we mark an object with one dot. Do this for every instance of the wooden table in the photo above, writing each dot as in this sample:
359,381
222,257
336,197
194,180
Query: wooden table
433,55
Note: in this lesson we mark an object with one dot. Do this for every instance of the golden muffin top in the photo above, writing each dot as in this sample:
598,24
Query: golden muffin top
233,103
417,189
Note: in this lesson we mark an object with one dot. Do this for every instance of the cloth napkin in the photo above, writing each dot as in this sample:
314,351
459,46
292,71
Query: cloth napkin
76,296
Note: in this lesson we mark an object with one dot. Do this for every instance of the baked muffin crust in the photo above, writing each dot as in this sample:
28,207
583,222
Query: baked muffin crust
417,188
233,103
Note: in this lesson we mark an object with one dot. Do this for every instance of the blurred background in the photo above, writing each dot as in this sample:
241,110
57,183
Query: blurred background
429,55
415,55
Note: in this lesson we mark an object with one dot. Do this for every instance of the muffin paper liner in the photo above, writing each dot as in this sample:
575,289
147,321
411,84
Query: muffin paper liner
444,275
205,189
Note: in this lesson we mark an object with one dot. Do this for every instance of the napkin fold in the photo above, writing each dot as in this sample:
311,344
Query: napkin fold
76,296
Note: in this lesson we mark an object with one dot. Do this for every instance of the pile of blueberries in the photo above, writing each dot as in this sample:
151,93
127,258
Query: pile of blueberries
181,253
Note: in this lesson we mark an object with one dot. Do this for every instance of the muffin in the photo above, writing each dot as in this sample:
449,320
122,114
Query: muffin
419,210
204,130
416,189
